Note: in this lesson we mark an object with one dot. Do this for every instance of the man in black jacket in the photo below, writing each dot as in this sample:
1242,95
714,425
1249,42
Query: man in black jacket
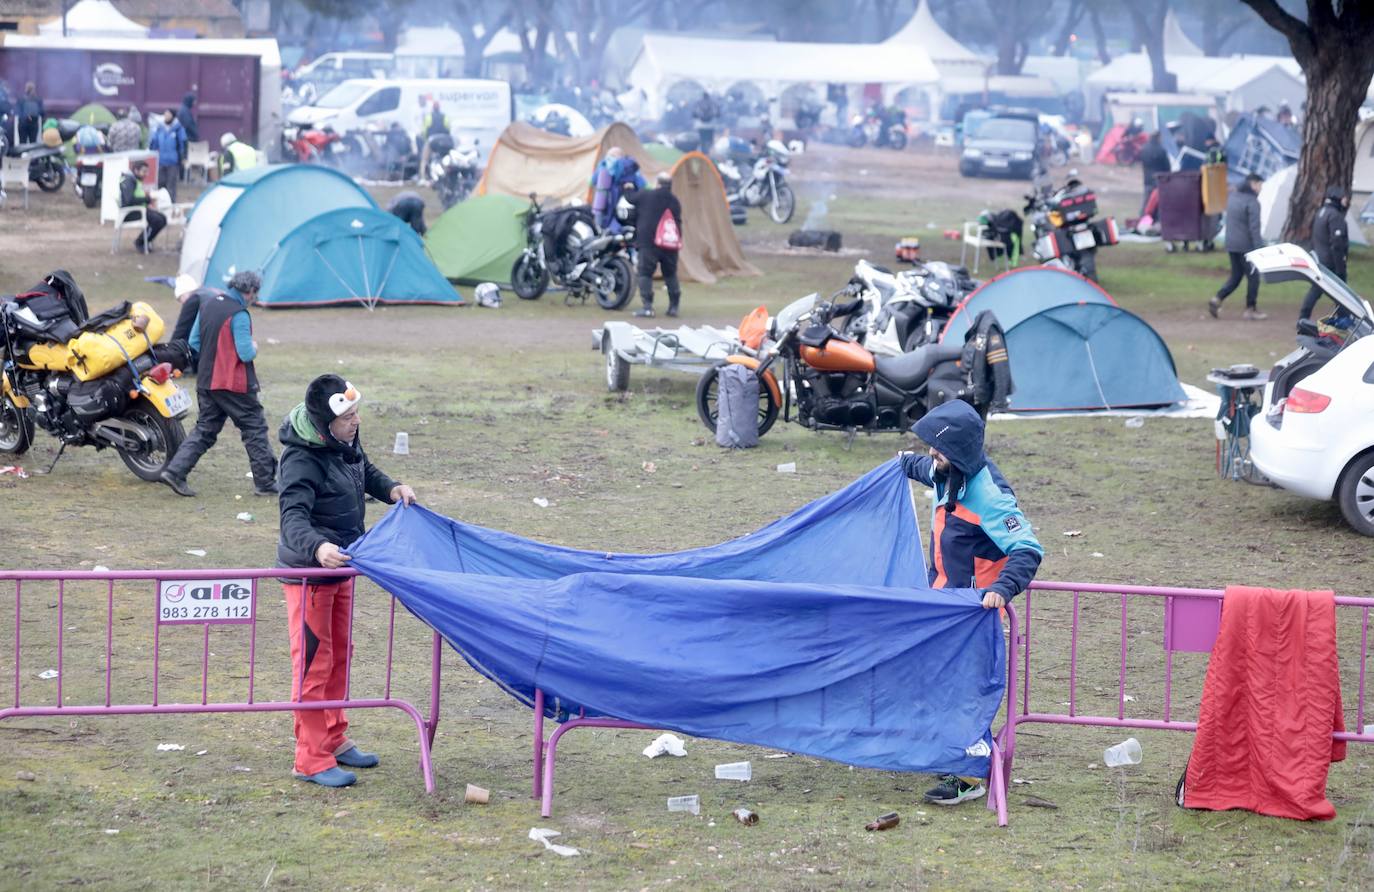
1242,236
658,239
1330,242
325,476
187,116
132,194
1154,160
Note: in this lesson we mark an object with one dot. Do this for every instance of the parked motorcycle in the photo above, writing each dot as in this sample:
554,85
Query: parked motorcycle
1065,233
101,381
563,246
829,382
455,174
47,167
322,146
905,310
764,186
883,127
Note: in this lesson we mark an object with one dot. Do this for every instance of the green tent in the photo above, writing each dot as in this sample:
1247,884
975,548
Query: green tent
478,240
665,155
93,113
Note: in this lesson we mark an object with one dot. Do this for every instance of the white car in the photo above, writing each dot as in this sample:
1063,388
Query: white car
1315,435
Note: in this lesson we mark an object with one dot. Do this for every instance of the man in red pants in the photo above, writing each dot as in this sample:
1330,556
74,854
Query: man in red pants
324,478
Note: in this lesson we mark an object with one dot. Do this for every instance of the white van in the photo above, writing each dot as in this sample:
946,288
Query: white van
478,109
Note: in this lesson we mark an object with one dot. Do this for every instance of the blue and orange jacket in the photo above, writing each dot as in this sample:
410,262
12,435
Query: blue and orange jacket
979,539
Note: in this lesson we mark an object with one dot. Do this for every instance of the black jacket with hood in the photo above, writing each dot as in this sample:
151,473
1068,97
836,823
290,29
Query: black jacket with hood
1330,234
323,484
978,536
187,116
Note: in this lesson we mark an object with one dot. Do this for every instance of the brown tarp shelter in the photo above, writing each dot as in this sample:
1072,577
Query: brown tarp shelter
559,170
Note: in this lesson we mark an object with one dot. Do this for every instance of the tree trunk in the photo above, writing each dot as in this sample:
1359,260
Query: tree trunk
1099,35
1338,76
1071,20
1162,79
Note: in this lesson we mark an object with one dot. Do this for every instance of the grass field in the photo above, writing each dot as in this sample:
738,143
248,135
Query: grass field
504,407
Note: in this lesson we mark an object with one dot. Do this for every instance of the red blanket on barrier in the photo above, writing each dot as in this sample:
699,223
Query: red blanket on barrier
1270,703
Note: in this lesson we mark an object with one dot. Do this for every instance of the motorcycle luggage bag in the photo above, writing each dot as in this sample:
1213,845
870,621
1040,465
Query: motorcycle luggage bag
94,354
737,407
100,399
1077,204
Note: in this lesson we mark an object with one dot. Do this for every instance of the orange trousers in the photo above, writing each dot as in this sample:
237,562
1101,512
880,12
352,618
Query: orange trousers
321,642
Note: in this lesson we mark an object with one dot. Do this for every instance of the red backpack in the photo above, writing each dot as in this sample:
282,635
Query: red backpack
667,236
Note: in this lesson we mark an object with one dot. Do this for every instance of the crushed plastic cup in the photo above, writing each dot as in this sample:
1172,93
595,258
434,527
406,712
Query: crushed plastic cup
787,468
1127,752
685,803
402,446
666,744
1135,421
740,771
244,516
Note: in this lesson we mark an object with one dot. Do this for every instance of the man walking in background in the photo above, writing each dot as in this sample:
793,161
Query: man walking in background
658,239
126,134
169,141
226,386
1242,236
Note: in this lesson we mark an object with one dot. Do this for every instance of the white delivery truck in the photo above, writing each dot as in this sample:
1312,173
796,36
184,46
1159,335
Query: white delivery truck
477,109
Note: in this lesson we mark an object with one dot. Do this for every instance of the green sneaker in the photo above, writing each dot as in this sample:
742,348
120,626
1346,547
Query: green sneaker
953,790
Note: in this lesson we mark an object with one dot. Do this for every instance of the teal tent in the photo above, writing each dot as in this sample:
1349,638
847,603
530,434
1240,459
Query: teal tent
352,255
266,207
1071,347
479,240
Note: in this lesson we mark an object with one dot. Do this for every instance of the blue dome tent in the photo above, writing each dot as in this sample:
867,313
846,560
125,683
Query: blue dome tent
267,207
352,255
1071,347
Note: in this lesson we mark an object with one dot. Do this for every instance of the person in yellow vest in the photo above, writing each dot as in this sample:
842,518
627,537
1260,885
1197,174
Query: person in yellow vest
132,195
235,155
436,137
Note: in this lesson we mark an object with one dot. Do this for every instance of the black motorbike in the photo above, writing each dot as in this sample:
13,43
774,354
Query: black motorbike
830,382
1066,235
564,246
47,167
883,127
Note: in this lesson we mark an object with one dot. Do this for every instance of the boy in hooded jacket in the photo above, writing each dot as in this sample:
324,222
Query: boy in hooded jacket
979,537
324,477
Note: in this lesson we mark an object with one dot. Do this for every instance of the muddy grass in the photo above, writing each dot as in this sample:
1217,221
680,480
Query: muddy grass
509,406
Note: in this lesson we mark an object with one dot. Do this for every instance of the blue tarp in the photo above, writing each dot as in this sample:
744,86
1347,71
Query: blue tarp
816,634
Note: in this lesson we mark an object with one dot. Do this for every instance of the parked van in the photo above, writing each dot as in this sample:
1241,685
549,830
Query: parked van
323,73
478,109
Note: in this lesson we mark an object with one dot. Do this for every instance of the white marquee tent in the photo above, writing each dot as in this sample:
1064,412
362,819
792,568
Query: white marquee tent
94,18
1243,83
951,58
717,65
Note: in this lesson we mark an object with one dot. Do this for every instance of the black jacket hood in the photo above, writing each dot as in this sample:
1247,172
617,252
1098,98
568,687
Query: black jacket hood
1335,194
956,429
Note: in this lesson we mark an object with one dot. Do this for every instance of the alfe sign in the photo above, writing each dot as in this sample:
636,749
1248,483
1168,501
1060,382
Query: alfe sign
205,601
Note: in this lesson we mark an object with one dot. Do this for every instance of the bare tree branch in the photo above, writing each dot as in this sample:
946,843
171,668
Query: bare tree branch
1300,36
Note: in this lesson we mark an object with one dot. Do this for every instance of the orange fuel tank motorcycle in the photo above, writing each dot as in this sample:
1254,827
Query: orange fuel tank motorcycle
814,375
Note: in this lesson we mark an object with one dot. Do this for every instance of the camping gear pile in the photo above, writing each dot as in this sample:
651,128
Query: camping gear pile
317,236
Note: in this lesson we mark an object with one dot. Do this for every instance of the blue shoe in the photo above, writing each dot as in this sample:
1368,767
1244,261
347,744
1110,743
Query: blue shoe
356,758
330,777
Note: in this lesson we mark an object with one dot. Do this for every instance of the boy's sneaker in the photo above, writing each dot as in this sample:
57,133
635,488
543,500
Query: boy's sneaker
953,790
1253,315
1214,307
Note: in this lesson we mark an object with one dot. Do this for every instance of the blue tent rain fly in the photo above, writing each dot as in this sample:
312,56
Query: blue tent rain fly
816,634
270,206
1071,347
352,255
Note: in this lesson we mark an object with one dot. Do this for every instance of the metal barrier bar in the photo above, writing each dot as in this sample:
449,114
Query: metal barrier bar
1018,709
219,604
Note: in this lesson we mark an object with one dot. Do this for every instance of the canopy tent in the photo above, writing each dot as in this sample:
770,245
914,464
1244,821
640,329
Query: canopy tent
1363,180
717,65
766,639
1176,43
478,240
578,125
265,205
1274,198
352,255
1070,346
559,169
1241,83
93,18
950,57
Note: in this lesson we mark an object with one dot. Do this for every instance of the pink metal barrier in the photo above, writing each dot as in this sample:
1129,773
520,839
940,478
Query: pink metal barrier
1191,618
223,597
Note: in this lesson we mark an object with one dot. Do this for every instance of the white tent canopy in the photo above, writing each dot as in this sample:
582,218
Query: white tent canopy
1274,197
94,18
1244,83
1176,43
951,58
716,65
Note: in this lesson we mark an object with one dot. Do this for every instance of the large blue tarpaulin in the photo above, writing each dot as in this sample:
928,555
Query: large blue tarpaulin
816,634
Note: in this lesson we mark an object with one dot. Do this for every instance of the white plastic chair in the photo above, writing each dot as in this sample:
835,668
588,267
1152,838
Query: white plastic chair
198,158
14,174
138,222
977,237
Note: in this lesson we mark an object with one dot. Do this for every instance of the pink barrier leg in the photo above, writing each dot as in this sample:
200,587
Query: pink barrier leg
997,787
432,726
538,743
550,757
